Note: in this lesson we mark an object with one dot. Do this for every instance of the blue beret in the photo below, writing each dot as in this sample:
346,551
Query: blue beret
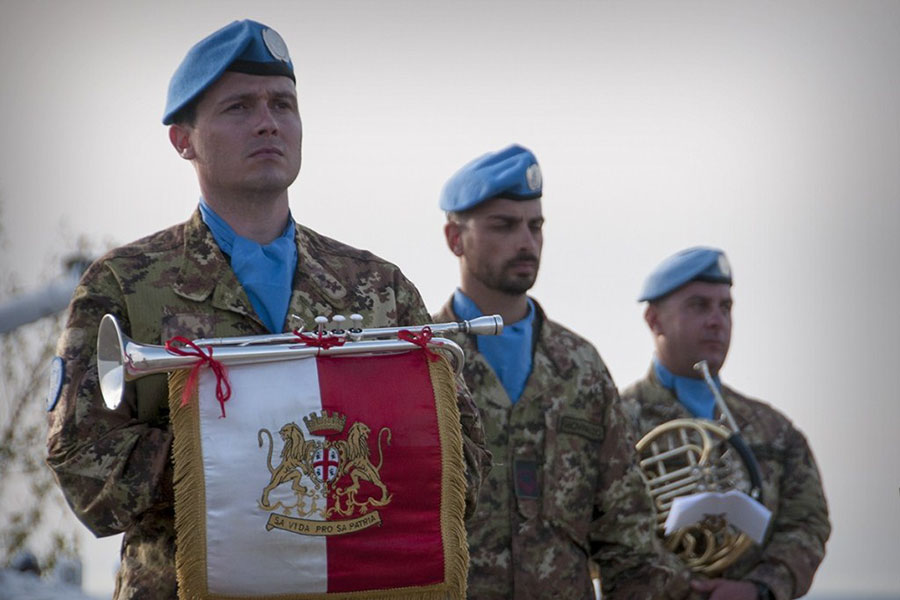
243,46
510,173
693,264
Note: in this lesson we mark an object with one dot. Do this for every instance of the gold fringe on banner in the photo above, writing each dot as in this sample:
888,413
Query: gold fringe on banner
453,481
190,501
190,490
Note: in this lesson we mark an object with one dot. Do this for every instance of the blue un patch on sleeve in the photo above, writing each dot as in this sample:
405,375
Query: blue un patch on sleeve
57,375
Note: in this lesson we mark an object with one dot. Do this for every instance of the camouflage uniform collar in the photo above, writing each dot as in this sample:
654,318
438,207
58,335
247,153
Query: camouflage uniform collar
543,341
205,271
665,405
202,262
315,272
553,346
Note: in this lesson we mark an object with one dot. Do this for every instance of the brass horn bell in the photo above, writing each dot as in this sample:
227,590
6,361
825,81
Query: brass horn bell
689,456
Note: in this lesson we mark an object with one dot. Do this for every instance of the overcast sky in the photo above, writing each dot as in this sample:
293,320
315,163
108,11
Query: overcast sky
769,129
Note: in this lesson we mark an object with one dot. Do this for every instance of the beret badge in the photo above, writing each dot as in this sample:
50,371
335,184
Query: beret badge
724,266
533,177
275,44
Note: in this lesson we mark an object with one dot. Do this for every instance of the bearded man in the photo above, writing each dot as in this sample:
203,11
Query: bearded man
564,487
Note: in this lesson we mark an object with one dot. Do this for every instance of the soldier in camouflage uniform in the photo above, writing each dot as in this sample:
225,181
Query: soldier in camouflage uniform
240,127
564,487
689,315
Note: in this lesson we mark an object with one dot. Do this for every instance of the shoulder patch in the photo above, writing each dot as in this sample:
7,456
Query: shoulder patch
581,427
57,375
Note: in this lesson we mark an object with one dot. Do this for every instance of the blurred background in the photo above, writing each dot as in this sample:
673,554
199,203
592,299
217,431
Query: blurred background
769,129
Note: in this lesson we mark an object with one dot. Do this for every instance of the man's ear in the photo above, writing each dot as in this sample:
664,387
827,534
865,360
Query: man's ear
180,138
453,235
651,316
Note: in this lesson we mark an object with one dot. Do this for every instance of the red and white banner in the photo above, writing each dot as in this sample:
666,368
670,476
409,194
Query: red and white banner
329,477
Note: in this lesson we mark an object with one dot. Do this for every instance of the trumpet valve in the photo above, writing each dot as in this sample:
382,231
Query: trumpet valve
338,321
321,322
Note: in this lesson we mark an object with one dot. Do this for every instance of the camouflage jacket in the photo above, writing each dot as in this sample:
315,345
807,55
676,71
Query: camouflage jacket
114,466
564,486
792,488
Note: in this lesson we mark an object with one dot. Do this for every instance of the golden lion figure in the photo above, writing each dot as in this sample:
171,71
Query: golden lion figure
355,462
296,456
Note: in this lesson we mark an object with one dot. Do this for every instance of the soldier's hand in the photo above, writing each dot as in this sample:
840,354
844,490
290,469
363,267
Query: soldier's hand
726,589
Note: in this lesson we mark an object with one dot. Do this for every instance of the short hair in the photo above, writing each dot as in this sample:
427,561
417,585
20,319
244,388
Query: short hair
187,115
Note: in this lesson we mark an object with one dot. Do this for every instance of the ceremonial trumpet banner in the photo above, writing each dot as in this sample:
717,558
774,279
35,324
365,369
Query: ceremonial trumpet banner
334,474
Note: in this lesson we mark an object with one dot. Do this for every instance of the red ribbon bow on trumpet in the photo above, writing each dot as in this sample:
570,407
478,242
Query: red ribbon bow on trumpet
420,340
223,388
319,340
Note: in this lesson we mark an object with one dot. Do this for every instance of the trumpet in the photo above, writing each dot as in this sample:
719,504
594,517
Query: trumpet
486,325
120,359
688,456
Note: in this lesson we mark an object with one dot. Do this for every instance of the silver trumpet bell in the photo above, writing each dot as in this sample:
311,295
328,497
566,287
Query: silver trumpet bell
120,359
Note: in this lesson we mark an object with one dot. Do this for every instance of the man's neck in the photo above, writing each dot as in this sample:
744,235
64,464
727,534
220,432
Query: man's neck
512,308
679,367
261,219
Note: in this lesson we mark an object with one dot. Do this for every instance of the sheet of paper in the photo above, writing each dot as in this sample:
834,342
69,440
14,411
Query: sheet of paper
736,507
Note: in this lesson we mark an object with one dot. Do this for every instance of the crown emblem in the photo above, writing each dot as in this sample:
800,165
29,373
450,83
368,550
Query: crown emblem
325,422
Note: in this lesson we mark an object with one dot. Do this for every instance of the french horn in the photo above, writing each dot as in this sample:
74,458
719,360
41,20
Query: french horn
120,359
689,456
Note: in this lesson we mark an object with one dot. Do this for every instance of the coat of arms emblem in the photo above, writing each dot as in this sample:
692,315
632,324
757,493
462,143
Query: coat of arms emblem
335,487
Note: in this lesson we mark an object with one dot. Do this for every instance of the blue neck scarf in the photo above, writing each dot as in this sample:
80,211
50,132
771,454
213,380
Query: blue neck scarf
266,272
509,353
693,393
